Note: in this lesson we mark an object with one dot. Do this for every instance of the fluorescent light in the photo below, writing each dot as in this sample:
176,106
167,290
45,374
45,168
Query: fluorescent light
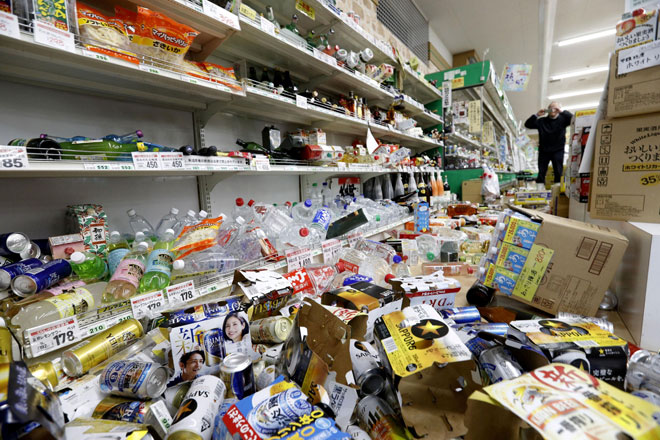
581,106
576,93
587,37
582,72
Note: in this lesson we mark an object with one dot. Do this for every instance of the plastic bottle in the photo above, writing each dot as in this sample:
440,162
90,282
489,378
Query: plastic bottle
440,186
160,264
242,210
398,186
88,266
297,235
140,224
303,212
117,248
139,238
350,259
124,138
376,268
377,193
326,194
388,191
320,223
167,222
188,220
315,195
202,215
400,268
82,299
412,184
427,247
125,280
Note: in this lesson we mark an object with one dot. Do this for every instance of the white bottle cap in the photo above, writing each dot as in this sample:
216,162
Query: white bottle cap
203,214
191,213
169,231
143,246
178,264
240,220
115,234
174,211
131,212
139,236
77,257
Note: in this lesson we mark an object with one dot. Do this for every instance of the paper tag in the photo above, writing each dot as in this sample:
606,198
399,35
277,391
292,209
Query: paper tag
151,69
9,25
301,101
182,293
639,57
106,323
297,258
306,9
13,158
261,163
146,161
171,160
372,143
267,26
108,166
532,272
148,303
446,94
248,11
51,336
341,165
354,238
53,37
221,14
330,249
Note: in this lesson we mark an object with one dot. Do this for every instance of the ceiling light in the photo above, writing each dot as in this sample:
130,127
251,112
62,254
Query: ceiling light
587,37
582,72
576,93
581,106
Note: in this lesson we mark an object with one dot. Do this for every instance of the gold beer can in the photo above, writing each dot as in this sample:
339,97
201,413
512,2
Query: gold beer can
45,372
81,358
5,346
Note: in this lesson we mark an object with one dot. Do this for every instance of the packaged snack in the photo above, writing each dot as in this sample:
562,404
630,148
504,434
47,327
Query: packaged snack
198,237
219,73
501,279
99,31
57,13
161,38
92,223
511,257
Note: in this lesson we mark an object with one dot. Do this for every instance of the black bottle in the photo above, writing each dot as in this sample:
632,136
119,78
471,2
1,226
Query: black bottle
480,295
252,74
264,76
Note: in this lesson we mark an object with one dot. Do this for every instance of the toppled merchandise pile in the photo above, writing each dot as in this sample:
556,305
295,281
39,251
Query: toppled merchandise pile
374,342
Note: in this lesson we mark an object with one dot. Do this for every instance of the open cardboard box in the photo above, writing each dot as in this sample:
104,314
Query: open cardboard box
265,290
632,93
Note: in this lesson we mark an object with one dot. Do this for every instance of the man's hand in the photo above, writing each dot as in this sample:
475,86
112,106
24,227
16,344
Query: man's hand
541,112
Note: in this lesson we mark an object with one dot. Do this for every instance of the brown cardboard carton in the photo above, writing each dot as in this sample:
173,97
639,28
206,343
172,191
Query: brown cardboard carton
633,93
584,261
559,202
500,423
471,190
626,169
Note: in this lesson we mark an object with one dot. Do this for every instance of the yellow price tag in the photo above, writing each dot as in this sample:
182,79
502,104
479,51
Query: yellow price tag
305,9
532,272
458,82
248,11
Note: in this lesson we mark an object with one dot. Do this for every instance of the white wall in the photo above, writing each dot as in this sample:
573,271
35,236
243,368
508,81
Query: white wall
439,45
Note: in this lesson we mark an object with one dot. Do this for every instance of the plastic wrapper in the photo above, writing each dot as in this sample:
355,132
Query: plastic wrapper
97,29
161,38
490,185
198,237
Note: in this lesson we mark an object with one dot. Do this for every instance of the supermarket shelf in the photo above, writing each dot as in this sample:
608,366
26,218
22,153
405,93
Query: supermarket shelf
24,60
207,289
417,87
463,140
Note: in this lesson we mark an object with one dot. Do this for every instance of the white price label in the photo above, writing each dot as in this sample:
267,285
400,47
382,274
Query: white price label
171,160
109,166
301,101
297,258
146,161
261,164
146,304
106,323
330,249
354,238
182,293
267,26
13,158
51,36
51,336
446,94
9,25
151,69
221,14
341,165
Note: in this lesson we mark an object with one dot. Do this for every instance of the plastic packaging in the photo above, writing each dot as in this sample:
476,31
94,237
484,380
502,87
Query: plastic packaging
303,212
140,224
168,221
427,248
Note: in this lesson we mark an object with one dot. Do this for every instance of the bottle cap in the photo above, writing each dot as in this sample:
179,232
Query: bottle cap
378,218
389,277
77,257
203,214
239,202
169,231
308,203
113,234
139,236
250,203
131,212
304,232
314,184
191,213
396,259
325,183
174,211
430,256
178,264
143,246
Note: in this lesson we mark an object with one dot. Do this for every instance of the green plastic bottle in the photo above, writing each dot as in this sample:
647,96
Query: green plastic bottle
88,266
160,264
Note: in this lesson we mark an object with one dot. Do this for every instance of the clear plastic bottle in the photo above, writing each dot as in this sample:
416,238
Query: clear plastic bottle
377,191
303,212
160,264
167,222
316,196
320,223
126,279
326,194
202,215
88,266
117,248
398,186
140,224
242,210
377,269
80,300
350,259
388,191
297,235
400,268
188,220
276,222
139,238
427,247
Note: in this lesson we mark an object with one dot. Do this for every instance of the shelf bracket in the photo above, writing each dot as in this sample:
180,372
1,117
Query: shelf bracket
205,185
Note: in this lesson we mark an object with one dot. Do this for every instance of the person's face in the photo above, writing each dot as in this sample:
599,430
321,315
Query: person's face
234,329
192,367
553,110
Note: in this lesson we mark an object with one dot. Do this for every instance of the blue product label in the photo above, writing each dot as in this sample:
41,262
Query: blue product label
22,266
322,218
114,257
132,412
160,260
512,257
461,315
50,273
356,279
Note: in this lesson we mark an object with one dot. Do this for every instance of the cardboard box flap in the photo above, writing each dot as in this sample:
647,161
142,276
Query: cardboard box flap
563,222
486,419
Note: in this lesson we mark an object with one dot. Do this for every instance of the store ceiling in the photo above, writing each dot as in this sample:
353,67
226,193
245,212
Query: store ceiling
512,32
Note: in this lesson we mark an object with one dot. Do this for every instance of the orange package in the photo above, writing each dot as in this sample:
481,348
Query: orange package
161,38
103,34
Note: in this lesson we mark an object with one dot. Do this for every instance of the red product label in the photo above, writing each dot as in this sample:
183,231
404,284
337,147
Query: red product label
300,281
343,265
236,423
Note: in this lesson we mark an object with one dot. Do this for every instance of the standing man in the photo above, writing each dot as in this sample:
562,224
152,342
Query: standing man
552,137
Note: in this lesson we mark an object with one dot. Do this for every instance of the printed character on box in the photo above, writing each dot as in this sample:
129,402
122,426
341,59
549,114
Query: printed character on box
191,363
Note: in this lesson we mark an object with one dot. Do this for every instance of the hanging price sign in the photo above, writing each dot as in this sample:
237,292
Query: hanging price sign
297,258
330,249
146,304
301,101
354,238
13,158
9,25
51,336
51,36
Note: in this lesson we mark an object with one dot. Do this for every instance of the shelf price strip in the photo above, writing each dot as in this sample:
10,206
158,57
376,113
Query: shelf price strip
51,336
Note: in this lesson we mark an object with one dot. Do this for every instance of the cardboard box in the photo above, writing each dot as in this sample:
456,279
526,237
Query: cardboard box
559,203
434,289
626,169
585,258
633,93
471,191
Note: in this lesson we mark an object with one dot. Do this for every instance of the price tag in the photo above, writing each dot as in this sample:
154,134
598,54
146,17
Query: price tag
51,336
446,94
248,11
182,293
150,69
106,323
330,249
146,161
13,158
221,14
354,238
267,26
96,55
109,166
9,25
297,258
341,165
261,164
146,304
301,101
171,160
51,36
